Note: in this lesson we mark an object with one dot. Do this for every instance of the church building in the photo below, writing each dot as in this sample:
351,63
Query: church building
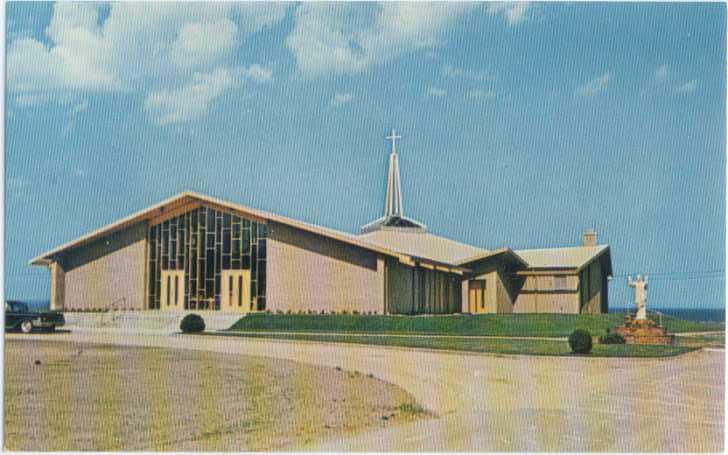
197,253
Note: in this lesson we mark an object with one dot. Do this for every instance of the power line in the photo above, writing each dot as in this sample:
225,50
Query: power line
691,275
684,273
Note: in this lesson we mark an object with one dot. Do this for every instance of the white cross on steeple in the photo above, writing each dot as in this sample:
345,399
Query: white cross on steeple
393,137
393,211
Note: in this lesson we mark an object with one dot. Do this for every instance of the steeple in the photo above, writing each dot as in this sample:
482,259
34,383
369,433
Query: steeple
393,203
393,209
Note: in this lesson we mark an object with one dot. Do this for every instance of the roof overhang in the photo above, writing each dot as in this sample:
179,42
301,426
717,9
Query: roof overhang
548,271
571,270
415,261
187,200
502,253
604,251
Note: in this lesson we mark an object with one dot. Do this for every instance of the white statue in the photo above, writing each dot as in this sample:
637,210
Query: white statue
640,296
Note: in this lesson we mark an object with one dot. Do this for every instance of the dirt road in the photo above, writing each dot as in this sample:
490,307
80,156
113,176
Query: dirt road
510,403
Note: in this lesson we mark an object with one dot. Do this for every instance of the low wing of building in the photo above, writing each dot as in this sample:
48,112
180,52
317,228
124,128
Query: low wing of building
194,252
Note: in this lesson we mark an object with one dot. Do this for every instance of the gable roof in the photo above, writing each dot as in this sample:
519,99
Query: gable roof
506,252
405,245
189,197
422,244
576,257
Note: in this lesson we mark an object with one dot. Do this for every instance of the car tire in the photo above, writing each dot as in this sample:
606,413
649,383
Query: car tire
26,326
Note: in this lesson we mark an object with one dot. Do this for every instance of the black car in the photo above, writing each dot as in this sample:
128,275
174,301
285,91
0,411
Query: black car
19,316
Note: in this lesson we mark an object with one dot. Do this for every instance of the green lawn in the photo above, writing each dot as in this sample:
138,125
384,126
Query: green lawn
703,341
483,345
523,325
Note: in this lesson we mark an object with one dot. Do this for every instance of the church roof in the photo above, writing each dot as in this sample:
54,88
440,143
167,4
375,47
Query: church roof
566,258
402,243
188,199
422,244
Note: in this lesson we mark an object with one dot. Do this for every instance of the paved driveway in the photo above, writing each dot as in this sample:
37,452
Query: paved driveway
509,403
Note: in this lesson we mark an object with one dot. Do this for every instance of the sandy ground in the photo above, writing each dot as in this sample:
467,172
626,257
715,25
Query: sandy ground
507,403
103,397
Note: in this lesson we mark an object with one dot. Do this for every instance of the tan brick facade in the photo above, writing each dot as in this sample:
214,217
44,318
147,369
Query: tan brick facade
311,272
306,268
548,294
107,273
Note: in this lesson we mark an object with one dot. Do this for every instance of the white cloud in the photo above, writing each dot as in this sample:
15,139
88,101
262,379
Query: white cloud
203,42
479,94
340,99
144,47
455,73
257,73
189,101
688,87
80,107
661,73
594,86
436,92
513,12
350,38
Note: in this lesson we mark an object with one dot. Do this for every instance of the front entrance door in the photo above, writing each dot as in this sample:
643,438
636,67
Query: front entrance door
476,296
235,291
172,290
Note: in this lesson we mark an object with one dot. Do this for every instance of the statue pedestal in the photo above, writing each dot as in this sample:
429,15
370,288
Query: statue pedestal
643,331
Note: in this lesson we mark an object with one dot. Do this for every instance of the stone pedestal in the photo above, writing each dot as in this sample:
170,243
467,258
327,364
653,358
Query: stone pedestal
644,331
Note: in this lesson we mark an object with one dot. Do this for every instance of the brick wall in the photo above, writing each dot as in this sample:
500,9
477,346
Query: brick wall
311,272
108,273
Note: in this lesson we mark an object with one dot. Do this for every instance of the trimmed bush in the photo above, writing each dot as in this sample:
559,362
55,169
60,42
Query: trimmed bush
612,338
192,323
580,341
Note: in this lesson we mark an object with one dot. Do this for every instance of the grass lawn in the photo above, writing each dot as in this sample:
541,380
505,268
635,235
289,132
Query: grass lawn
489,345
703,341
523,325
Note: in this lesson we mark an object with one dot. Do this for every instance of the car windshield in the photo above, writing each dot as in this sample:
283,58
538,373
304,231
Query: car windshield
18,307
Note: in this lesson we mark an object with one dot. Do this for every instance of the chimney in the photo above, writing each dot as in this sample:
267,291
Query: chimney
590,237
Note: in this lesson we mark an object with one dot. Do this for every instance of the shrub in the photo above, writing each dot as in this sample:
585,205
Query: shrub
356,312
192,323
580,342
612,338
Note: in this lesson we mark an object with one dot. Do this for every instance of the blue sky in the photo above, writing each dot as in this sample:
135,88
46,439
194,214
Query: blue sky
522,124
